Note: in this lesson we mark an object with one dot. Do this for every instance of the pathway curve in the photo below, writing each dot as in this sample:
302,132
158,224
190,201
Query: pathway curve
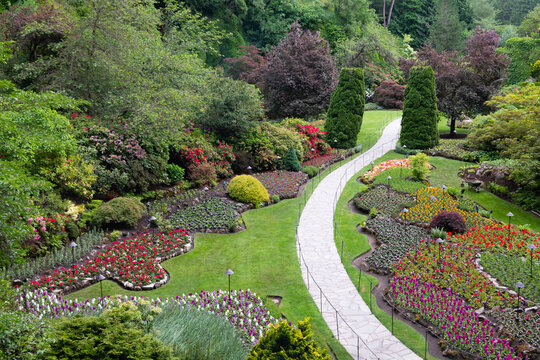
318,253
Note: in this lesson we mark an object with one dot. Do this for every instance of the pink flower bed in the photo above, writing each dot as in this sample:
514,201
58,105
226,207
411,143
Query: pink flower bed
285,184
321,160
132,259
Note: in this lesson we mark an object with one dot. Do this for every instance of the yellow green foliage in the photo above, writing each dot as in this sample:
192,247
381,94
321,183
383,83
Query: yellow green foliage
420,166
247,189
121,211
285,342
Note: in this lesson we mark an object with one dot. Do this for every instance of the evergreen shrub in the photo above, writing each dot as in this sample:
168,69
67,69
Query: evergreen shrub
346,109
291,161
450,221
118,212
311,171
419,121
247,189
175,173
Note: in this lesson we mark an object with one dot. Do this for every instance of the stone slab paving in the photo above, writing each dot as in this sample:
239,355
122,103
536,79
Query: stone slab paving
343,309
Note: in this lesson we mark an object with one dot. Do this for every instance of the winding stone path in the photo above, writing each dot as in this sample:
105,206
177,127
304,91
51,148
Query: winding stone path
317,252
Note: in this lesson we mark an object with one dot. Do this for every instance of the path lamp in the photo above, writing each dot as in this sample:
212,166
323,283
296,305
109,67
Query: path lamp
440,242
444,188
100,278
519,285
372,164
509,221
229,273
73,245
389,178
476,208
148,207
205,192
152,221
406,152
531,247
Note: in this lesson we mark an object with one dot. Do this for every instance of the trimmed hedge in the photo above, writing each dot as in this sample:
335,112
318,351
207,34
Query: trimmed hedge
247,189
118,212
523,52
419,122
346,109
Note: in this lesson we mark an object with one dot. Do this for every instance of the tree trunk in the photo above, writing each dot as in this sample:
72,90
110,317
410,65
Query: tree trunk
384,13
390,13
452,126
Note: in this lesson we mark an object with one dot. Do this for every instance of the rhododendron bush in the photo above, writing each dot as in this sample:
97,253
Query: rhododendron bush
315,145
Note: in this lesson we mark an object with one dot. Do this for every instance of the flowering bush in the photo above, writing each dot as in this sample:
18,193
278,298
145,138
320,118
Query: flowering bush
130,259
47,234
431,201
283,183
244,309
206,166
368,176
315,145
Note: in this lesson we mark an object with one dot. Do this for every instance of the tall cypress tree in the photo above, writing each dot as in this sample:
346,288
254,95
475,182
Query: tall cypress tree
419,121
346,109
445,34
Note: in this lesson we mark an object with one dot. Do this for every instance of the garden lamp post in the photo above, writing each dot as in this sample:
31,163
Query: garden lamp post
372,164
406,152
389,178
205,192
73,245
476,208
444,188
518,285
229,273
148,207
439,241
509,221
531,247
100,279
152,221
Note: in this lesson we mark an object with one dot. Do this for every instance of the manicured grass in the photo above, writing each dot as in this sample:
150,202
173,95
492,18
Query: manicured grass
445,129
263,258
373,124
357,244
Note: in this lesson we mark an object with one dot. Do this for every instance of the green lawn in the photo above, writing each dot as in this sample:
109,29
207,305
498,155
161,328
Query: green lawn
373,124
445,129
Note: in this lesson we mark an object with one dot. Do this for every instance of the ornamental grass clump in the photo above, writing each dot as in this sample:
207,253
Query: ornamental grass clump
247,189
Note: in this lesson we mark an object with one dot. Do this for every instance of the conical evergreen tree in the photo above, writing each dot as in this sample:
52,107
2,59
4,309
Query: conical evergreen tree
291,161
419,122
445,34
346,109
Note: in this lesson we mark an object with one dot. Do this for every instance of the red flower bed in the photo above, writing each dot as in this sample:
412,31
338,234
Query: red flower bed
321,160
130,259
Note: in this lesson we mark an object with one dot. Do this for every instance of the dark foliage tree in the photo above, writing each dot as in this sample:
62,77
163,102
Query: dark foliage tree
389,94
300,76
483,58
419,121
249,67
291,162
346,109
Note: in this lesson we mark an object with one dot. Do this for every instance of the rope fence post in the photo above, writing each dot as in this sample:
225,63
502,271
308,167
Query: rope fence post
370,290
357,347
337,324
425,347
320,293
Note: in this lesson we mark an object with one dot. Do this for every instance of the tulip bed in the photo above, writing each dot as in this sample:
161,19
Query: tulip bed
132,259
387,202
431,201
508,269
244,309
283,183
212,213
368,176
397,240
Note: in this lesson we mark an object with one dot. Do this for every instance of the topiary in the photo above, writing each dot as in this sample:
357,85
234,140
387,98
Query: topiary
291,161
121,211
286,342
346,109
419,121
311,171
450,221
247,189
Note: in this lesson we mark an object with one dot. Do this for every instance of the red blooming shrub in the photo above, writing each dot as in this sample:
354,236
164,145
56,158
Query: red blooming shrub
224,159
316,146
132,259
47,234
389,94
205,168
450,221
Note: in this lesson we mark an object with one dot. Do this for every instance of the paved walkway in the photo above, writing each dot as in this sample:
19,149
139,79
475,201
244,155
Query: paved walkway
370,339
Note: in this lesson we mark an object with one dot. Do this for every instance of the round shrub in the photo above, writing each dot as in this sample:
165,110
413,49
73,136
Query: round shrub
247,189
118,212
450,221
72,230
275,198
311,171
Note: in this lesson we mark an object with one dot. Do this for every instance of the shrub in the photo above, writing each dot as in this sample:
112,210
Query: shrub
247,189
72,229
389,94
198,335
452,191
311,171
373,213
73,176
497,189
346,109
535,70
372,106
291,161
522,51
23,341
450,221
291,122
282,139
406,151
121,211
315,145
420,117
275,198
420,166
203,174
90,210
286,342
175,173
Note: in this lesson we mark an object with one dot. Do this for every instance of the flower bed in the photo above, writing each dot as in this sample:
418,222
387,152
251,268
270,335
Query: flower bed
400,180
388,203
285,184
132,260
212,213
244,309
458,322
451,149
397,240
431,201
323,160
524,325
368,176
